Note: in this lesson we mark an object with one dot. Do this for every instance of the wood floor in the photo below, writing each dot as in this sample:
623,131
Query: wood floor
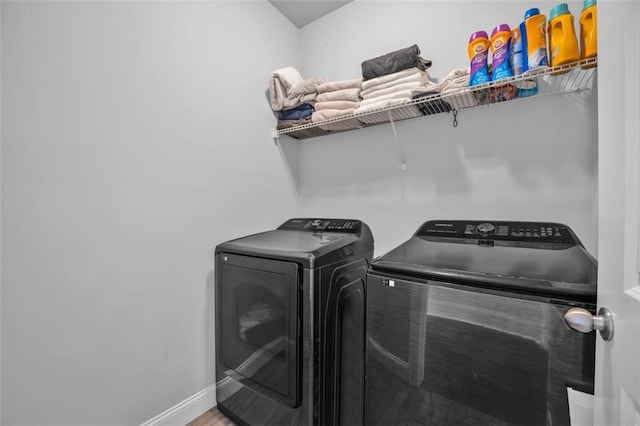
213,417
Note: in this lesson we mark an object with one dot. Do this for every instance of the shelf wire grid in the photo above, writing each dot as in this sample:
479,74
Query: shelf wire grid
575,76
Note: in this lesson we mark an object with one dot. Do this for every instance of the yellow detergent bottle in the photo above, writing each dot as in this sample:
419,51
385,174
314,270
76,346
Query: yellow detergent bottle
535,39
563,42
589,31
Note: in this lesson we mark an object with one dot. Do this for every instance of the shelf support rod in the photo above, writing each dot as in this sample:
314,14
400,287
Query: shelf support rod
403,162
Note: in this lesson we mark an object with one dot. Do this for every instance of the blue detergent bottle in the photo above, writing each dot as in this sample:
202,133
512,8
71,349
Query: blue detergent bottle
478,49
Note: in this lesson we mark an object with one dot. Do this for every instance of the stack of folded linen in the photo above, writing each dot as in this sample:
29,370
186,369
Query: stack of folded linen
337,99
456,91
295,117
390,80
292,97
456,79
391,90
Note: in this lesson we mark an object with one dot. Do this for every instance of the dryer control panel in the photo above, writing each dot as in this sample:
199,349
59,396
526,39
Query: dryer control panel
347,226
534,232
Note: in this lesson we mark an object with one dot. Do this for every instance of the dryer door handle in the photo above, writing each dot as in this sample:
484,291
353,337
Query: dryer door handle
581,320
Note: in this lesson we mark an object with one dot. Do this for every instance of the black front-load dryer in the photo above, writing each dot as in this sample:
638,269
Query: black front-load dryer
465,325
290,308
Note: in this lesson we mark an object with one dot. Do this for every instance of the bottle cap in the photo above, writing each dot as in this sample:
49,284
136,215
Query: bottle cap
501,27
588,3
531,12
560,9
478,34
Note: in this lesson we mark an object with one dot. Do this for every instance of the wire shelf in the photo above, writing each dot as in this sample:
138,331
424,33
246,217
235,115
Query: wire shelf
572,77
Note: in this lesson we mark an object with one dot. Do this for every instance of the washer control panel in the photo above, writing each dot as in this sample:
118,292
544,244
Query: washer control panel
322,225
543,232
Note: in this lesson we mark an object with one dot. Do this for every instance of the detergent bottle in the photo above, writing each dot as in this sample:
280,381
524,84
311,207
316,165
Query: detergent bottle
563,43
529,86
500,48
516,54
478,49
589,30
535,36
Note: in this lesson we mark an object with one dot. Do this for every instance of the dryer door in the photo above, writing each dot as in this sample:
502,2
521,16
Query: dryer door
257,339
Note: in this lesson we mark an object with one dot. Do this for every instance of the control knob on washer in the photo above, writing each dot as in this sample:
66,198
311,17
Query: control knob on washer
486,228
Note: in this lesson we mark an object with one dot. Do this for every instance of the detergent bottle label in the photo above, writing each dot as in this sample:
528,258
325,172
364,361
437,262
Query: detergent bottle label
479,69
534,34
501,46
516,57
478,54
537,47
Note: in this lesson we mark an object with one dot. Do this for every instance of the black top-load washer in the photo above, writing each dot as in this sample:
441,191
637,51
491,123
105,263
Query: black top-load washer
290,342
465,325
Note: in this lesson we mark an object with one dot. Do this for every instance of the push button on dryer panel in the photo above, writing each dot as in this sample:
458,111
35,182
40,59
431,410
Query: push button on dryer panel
349,226
539,233
486,228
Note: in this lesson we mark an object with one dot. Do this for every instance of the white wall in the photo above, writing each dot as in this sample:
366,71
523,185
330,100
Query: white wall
529,160
135,138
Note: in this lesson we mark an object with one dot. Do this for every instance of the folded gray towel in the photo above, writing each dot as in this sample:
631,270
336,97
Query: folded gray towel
398,60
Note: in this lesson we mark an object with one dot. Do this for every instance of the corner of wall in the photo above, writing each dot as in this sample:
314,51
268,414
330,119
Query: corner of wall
187,410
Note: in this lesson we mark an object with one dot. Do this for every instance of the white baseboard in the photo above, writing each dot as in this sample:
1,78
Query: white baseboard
187,410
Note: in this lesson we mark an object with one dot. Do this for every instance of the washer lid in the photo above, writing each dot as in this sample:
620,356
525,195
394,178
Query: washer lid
312,242
536,257
290,241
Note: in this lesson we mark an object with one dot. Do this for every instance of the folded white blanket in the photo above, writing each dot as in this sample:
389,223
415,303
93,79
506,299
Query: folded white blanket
281,82
335,105
339,85
303,92
302,99
381,104
458,93
339,95
397,88
306,87
456,85
416,77
328,114
390,77
457,77
394,95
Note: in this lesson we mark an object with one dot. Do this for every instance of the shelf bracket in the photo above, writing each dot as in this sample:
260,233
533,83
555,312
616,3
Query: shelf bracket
403,162
275,137
455,118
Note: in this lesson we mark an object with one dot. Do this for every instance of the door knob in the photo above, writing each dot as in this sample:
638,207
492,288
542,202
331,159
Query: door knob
581,320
